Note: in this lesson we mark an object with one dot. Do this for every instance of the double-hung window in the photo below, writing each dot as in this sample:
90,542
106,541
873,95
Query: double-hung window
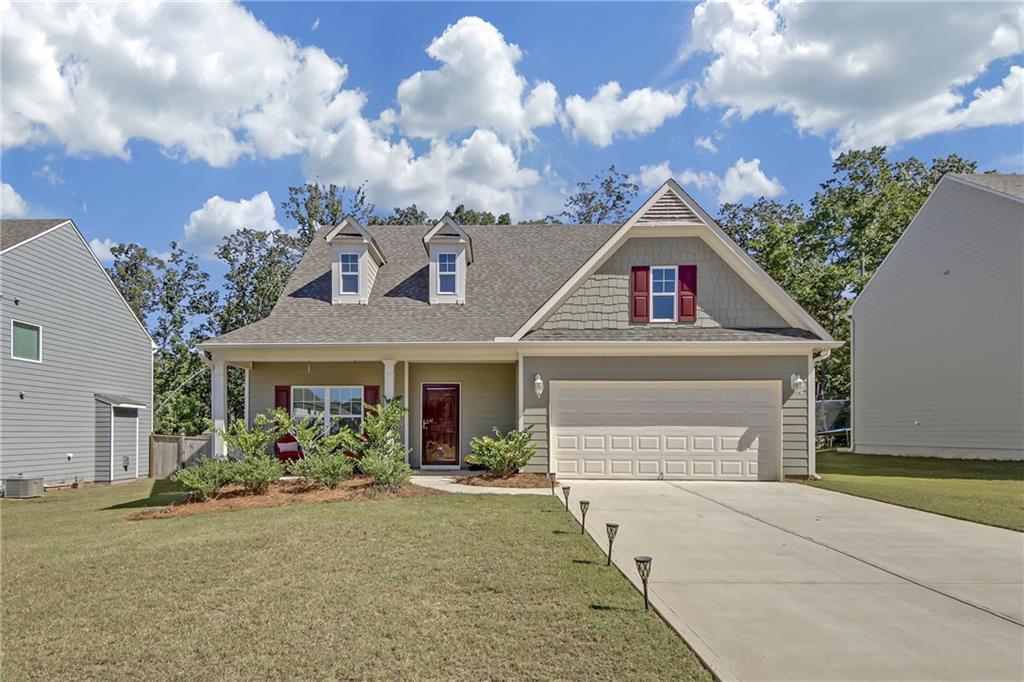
335,405
349,267
663,294
26,341
446,265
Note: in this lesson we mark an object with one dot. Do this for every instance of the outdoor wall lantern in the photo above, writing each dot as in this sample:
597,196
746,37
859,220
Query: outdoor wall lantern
612,529
584,506
538,385
798,384
643,567
565,494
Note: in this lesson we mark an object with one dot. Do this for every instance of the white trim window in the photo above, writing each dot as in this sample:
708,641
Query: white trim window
348,269
447,268
336,405
663,294
26,341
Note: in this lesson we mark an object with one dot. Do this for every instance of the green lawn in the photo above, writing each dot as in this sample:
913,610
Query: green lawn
436,587
983,491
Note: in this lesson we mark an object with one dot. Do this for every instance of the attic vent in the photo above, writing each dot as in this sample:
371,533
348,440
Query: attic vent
668,209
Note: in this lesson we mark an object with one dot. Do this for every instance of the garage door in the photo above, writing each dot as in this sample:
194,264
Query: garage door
666,429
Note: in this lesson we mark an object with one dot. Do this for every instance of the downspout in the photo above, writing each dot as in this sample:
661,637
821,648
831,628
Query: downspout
813,463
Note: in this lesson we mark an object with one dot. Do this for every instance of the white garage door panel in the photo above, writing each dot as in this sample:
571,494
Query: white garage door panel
713,430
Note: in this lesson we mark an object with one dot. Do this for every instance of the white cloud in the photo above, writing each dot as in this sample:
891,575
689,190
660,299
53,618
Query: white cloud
743,179
477,85
608,113
867,73
316,24
101,247
11,203
219,217
49,175
705,143
203,81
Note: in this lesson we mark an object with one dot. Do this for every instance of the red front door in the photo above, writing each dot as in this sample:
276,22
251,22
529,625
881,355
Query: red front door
441,424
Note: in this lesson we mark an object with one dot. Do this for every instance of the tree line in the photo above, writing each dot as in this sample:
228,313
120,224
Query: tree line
821,252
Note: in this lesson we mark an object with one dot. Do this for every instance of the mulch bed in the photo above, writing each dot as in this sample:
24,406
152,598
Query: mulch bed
283,494
513,481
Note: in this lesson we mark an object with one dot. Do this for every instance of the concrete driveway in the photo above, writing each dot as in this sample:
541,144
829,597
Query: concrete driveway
779,581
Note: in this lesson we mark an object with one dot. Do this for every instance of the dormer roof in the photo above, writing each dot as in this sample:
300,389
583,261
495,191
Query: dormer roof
350,228
446,227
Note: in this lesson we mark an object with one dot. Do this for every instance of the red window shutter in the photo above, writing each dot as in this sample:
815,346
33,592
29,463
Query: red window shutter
371,394
283,398
640,294
687,293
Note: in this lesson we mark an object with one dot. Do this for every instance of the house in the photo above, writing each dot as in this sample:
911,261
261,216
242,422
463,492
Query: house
938,331
655,348
76,365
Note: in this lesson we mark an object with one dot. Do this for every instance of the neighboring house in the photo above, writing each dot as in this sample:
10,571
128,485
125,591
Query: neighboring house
938,332
654,348
76,365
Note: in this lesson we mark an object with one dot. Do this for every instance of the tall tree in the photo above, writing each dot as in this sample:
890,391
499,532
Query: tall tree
410,215
136,274
467,216
605,198
259,264
314,205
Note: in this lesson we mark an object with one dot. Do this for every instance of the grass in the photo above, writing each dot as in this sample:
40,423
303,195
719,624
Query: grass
435,587
975,490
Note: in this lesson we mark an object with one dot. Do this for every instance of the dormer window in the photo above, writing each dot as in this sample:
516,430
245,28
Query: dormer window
349,263
446,273
663,294
355,258
450,251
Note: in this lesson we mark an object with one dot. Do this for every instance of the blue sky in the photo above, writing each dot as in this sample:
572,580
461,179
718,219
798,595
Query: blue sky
170,123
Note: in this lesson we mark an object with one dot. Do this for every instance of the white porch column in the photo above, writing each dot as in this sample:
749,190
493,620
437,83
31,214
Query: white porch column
389,378
219,405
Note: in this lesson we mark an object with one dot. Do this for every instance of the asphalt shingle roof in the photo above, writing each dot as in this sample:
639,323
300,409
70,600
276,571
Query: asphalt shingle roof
1009,183
654,333
516,268
14,232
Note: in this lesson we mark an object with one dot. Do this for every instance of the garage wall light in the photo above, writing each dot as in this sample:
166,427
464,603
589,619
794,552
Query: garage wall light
538,385
798,384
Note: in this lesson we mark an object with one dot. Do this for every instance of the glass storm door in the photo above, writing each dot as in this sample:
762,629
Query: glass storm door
441,424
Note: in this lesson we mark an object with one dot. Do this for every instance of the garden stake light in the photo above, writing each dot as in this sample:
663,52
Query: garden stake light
565,493
551,477
584,506
612,529
643,567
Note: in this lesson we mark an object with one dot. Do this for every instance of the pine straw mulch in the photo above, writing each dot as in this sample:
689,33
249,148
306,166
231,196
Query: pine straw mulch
513,481
283,494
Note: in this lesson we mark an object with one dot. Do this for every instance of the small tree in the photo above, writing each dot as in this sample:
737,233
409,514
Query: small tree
383,453
258,468
325,456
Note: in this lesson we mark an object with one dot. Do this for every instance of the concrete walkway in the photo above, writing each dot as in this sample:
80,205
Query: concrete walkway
448,485
773,581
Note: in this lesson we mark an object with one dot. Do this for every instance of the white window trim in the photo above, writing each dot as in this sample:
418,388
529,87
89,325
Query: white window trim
674,294
27,324
454,273
327,402
342,273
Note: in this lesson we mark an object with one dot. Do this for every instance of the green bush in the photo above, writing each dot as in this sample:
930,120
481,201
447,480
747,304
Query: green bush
258,473
382,453
205,479
325,469
256,442
505,454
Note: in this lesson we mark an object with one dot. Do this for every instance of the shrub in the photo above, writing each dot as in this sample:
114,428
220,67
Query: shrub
327,469
206,478
255,442
505,454
382,452
258,473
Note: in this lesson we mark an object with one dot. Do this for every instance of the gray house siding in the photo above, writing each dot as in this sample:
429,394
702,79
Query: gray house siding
101,452
723,298
938,333
692,368
91,343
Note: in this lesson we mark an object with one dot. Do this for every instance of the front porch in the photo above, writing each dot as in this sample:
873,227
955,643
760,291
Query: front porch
449,403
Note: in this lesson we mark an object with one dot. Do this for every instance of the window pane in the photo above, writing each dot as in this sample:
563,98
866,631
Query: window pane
446,284
350,284
663,280
446,262
349,262
664,307
25,341
307,401
346,403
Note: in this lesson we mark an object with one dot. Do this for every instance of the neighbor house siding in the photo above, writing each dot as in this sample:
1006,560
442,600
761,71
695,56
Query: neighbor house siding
91,344
487,393
707,368
938,334
723,298
101,452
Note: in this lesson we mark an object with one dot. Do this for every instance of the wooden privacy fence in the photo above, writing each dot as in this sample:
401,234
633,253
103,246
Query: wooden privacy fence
167,454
